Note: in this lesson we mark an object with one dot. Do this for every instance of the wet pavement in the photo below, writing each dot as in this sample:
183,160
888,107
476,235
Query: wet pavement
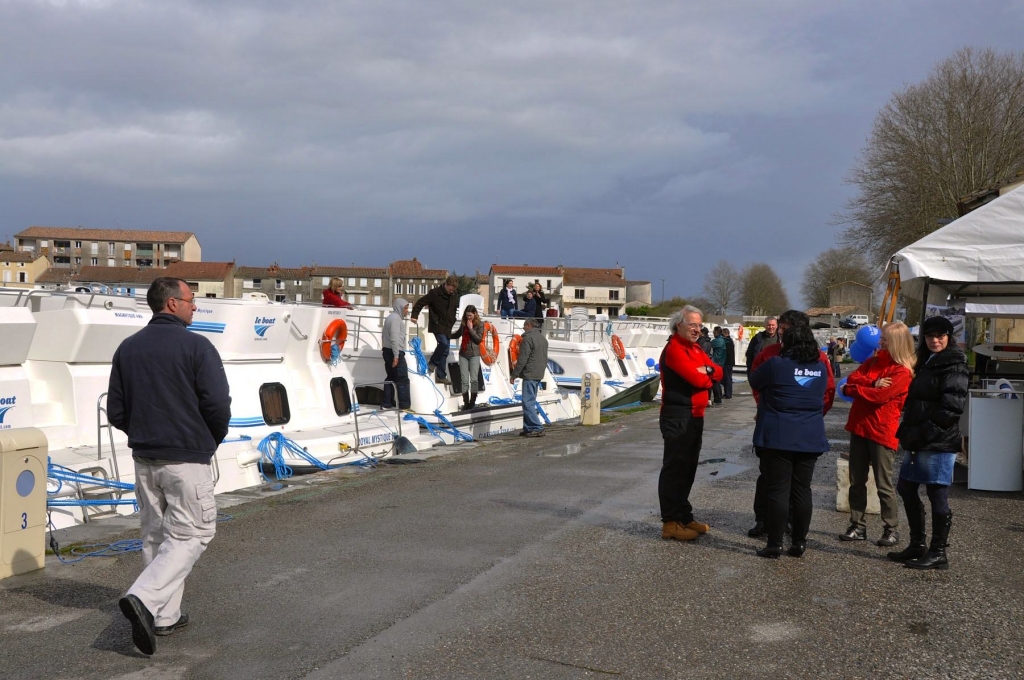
540,559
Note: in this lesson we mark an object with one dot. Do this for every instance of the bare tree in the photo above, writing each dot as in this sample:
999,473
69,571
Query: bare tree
833,266
761,291
721,287
959,131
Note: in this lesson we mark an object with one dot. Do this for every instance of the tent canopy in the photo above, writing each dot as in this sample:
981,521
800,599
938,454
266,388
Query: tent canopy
979,255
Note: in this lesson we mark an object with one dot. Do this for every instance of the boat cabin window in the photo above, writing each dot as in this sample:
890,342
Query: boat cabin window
607,368
341,397
274,402
622,367
555,368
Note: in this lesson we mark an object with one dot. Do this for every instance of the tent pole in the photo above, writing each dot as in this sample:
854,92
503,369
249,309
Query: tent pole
924,301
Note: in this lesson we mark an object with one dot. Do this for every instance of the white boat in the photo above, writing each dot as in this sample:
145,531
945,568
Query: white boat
291,409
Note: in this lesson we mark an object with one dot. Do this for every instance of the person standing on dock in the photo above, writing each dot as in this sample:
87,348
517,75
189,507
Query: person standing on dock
730,361
769,336
530,366
508,303
169,393
687,374
393,347
443,305
718,354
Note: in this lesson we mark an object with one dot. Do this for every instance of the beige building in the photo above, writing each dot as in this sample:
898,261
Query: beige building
75,247
205,279
20,270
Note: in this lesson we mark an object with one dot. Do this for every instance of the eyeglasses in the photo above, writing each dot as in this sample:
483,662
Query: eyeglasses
191,301
692,325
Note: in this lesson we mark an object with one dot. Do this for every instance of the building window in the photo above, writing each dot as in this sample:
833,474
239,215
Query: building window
398,289
78,244
280,298
110,262
362,283
613,295
78,260
423,289
376,283
341,397
274,402
325,281
278,284
22,278
604,365
598,311
580,293
95,248
7,276
298,297
297,283
362,299
94,261
376,300
549,284
211,295
110,248
351,281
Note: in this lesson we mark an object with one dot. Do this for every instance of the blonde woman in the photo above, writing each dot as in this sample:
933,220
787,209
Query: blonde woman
333,294
878,389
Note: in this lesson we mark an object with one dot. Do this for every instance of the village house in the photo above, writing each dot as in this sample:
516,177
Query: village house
20,270
75,247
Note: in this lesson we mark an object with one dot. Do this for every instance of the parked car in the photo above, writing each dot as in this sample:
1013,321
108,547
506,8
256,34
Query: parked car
853,321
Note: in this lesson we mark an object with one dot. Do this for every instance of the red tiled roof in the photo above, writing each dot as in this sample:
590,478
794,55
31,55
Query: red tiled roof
414,269
275,273
120,235
524,270
342,272
54,275
200,271
579,276
91,274
12,256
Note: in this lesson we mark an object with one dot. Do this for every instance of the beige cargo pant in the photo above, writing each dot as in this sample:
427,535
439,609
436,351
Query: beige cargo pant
179,519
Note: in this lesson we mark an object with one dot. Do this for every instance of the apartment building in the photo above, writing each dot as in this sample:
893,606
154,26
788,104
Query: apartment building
360,285
76,247
20,270
522,277
205,279
601,291
411,280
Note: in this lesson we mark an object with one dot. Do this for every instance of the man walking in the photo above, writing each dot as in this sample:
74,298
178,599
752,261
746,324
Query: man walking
168,392
533,359
393,347
769,336
730,361
443,305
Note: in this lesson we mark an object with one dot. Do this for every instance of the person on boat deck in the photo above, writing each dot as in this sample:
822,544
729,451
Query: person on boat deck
730,361
393,345
790,433
529,309
530,366
541,299
169,393
333,294
718,352
508,302
470,333
930,435
786,320
687,374
769,336
443,305
878,389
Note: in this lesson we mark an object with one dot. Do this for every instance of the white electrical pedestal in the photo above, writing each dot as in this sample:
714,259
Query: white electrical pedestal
23,454
590,399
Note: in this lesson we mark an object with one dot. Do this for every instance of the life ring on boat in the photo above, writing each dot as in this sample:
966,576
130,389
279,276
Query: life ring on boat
618,347
490,354
739,333
513,348
336,334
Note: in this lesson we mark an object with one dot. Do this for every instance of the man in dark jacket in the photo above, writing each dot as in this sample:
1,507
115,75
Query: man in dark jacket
530,366
443,305
730,361
769,336
168,392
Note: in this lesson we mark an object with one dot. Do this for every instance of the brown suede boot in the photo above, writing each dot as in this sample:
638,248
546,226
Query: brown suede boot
677,531
699,527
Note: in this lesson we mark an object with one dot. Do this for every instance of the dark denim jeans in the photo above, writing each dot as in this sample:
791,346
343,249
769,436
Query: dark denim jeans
531,419
440,356
400,376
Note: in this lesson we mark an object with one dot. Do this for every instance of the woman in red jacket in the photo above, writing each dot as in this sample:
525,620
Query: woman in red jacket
333,293
878,389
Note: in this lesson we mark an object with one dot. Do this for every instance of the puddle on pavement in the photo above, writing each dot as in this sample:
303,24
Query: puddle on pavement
562,451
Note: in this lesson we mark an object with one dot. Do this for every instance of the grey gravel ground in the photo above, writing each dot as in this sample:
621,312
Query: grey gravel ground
541,559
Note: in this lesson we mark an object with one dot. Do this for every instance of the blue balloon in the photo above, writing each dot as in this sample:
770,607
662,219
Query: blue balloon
650,363
860,353
869,336
839,390
657,367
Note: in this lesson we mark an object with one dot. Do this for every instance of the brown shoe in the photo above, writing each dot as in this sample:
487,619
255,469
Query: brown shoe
677,531
699,527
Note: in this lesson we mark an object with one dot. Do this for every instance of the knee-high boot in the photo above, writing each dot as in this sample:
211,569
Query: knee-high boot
936,557
917,548
465,401
472,401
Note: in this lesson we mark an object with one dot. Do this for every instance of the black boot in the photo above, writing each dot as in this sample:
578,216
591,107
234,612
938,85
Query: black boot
465,402
916,548
472,401
936,557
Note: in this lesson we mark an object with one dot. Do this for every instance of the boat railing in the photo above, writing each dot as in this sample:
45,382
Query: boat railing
357,412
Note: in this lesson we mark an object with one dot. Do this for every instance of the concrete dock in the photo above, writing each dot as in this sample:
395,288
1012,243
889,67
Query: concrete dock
539,558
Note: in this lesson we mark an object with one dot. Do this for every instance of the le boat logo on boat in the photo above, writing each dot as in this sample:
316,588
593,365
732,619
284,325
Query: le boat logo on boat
262,325
6,404
804,377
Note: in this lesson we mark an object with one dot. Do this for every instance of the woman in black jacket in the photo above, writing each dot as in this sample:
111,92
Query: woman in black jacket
930,436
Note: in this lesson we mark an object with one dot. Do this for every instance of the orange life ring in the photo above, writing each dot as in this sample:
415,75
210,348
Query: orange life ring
618,348
513,348
490,354
336,334
739,333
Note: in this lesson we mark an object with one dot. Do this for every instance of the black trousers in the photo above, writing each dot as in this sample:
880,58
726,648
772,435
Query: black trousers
727,381
787,479
683,438
400,376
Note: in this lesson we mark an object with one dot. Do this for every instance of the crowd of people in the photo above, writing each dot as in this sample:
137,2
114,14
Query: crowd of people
902,397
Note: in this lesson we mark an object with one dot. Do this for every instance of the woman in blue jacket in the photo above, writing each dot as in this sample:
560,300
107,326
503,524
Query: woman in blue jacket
790,431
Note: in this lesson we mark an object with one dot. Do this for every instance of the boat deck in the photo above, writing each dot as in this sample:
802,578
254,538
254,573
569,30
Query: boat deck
514,558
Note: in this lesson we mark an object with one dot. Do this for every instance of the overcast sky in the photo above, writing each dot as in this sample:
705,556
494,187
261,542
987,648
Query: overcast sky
658,135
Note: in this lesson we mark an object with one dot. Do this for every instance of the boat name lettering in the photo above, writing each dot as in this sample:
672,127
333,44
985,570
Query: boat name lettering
129,315
6,404
262,325
204,311
376,439
8,401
